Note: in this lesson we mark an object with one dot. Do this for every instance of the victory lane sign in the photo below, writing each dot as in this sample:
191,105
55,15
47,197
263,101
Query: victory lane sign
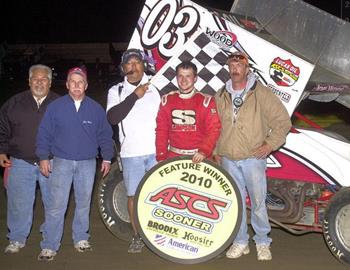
186,212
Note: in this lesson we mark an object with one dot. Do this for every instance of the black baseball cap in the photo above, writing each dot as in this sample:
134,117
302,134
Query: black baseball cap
132,53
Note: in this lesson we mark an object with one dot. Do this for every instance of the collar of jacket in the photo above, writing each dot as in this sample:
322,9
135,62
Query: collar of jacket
223,90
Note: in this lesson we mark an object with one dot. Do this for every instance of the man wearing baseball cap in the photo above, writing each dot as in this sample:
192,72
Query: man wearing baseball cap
254,123
72,131
133,105
131,53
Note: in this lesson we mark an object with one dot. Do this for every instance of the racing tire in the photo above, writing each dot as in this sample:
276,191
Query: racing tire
336,225
112,204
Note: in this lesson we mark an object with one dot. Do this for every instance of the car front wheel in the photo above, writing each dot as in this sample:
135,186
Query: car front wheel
112,202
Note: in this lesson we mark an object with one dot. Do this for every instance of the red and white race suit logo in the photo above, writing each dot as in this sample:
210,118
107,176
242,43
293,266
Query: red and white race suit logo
183,120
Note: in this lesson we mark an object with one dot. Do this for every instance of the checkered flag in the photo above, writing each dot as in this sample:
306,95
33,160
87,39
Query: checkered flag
209,59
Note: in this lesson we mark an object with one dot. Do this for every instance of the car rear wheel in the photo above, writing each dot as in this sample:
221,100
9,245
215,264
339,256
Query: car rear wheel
336,225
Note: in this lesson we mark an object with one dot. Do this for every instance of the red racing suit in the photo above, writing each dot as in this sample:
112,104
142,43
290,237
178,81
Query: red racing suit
186,122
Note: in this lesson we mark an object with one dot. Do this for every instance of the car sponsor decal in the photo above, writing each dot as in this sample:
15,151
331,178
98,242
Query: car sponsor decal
283,72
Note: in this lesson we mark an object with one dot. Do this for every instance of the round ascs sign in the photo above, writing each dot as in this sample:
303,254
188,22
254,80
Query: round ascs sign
186,212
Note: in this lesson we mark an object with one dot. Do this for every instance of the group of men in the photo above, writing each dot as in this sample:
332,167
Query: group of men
56,144
54,141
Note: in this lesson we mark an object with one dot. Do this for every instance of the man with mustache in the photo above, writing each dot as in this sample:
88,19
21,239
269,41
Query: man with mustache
255,123
19,121
132,105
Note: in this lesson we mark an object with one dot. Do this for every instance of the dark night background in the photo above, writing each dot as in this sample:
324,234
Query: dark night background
97,21
54,21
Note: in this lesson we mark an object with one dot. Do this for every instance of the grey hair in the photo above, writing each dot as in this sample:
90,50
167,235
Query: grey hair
43,67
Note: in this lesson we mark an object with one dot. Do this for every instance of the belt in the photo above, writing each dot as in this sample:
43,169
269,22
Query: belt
32,161
183,151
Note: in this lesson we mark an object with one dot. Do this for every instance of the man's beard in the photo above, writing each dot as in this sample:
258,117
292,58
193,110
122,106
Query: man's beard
38,91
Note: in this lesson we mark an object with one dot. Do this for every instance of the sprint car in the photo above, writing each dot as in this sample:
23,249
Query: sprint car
308,189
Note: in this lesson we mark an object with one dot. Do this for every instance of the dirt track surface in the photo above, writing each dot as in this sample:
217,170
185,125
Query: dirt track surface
289,252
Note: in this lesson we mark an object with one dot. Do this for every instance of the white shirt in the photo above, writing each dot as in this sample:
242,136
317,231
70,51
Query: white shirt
39,100
140,124
77,104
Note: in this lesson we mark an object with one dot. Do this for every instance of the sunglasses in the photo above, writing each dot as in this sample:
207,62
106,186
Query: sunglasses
236,57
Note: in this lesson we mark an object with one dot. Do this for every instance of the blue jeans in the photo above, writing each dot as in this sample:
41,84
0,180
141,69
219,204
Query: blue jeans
134,168
21,190
250,175
65,172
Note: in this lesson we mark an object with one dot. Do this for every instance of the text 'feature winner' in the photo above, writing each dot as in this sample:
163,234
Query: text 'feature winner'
188,212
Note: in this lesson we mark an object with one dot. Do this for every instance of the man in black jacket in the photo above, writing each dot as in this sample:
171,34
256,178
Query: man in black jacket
20,117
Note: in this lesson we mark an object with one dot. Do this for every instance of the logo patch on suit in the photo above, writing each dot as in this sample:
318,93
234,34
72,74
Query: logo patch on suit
183,120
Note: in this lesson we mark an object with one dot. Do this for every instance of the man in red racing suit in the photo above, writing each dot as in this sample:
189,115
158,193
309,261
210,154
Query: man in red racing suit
187,121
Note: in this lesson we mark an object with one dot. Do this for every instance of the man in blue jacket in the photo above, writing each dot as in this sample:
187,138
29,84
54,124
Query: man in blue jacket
72,131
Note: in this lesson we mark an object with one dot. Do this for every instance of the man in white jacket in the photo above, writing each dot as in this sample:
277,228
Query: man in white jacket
133,105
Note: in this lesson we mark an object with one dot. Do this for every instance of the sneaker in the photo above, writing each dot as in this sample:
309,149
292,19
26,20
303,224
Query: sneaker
136,244
82,246
47,255
264,253
14,247
237,250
